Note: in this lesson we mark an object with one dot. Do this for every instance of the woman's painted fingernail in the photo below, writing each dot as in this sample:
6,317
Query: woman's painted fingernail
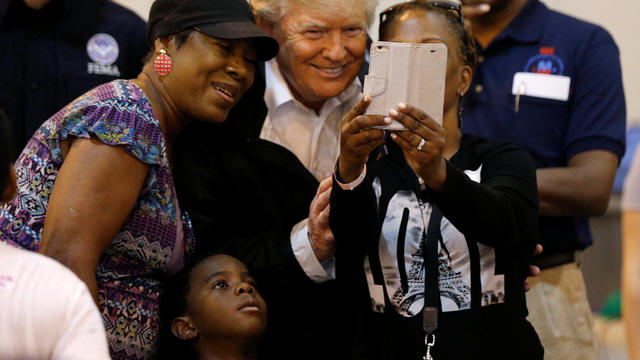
367,98
393,112
388,120
402,106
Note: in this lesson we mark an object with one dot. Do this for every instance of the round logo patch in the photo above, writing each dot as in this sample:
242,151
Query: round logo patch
545,64
103,49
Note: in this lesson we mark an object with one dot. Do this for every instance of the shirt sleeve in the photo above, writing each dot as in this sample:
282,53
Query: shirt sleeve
83,335
315,270
355,225
631,191
598,110
53,311
500,211
352,185
115,121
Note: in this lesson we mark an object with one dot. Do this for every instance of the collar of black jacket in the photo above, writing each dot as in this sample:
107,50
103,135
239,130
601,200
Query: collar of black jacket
62,9
17,10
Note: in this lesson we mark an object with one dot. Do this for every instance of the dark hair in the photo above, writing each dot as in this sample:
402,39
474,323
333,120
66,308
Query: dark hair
6,150
180,38
467,47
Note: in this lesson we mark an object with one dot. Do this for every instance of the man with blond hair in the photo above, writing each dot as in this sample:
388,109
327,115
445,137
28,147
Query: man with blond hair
310,85
260,192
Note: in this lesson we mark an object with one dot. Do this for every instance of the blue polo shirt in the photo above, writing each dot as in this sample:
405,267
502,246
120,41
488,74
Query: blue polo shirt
546,42
51,56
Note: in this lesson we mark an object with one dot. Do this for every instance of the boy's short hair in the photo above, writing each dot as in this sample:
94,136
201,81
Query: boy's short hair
6,152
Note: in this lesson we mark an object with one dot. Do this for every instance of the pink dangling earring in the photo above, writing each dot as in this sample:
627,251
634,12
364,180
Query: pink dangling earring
162,63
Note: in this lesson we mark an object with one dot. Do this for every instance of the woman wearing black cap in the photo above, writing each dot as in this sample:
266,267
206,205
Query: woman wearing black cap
95,189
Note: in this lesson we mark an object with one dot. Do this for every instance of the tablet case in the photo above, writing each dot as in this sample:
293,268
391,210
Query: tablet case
410,73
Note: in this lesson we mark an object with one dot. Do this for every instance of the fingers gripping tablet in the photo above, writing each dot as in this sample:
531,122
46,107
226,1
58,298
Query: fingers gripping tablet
411,73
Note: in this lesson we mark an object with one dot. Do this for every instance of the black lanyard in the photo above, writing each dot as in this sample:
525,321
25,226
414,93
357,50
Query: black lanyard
431,282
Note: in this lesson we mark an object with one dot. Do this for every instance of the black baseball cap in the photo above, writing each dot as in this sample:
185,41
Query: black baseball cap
225,19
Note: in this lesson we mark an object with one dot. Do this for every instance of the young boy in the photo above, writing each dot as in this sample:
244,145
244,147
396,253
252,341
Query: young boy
213,311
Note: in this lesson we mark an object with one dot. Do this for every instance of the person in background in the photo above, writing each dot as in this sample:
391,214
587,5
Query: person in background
95,189
434,219
55,50
213,311
260,192
46,311
631,257
552,85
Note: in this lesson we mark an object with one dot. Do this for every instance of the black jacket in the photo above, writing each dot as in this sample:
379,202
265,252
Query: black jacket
488,232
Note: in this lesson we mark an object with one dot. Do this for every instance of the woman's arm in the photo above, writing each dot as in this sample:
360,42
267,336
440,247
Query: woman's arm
354,211
580,189
94,192
501,210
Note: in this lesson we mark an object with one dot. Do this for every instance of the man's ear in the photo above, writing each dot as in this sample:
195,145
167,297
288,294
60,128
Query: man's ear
10,189
466,75
265,25
183,328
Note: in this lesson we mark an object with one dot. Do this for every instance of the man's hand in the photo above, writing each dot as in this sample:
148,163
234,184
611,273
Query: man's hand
320,234
533,270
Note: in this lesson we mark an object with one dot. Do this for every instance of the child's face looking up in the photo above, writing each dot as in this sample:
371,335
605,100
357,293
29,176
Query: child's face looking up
223,300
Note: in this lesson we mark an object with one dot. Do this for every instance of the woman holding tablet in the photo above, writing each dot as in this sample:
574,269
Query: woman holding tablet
434,227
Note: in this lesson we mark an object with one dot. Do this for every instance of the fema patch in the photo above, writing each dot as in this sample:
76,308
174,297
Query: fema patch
103,49
547,62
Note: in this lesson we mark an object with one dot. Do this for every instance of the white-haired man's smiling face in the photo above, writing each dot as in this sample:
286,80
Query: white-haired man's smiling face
321,50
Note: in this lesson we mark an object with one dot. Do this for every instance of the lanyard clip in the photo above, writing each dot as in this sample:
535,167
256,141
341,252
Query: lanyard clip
430,319
429,345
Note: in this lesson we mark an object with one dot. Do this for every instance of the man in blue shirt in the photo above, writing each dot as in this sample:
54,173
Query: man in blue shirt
55,50
552,84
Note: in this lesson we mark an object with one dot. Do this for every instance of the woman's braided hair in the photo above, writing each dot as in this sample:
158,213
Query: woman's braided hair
467,45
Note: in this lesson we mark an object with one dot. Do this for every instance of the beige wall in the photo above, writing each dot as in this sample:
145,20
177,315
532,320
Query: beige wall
141,7
620,17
